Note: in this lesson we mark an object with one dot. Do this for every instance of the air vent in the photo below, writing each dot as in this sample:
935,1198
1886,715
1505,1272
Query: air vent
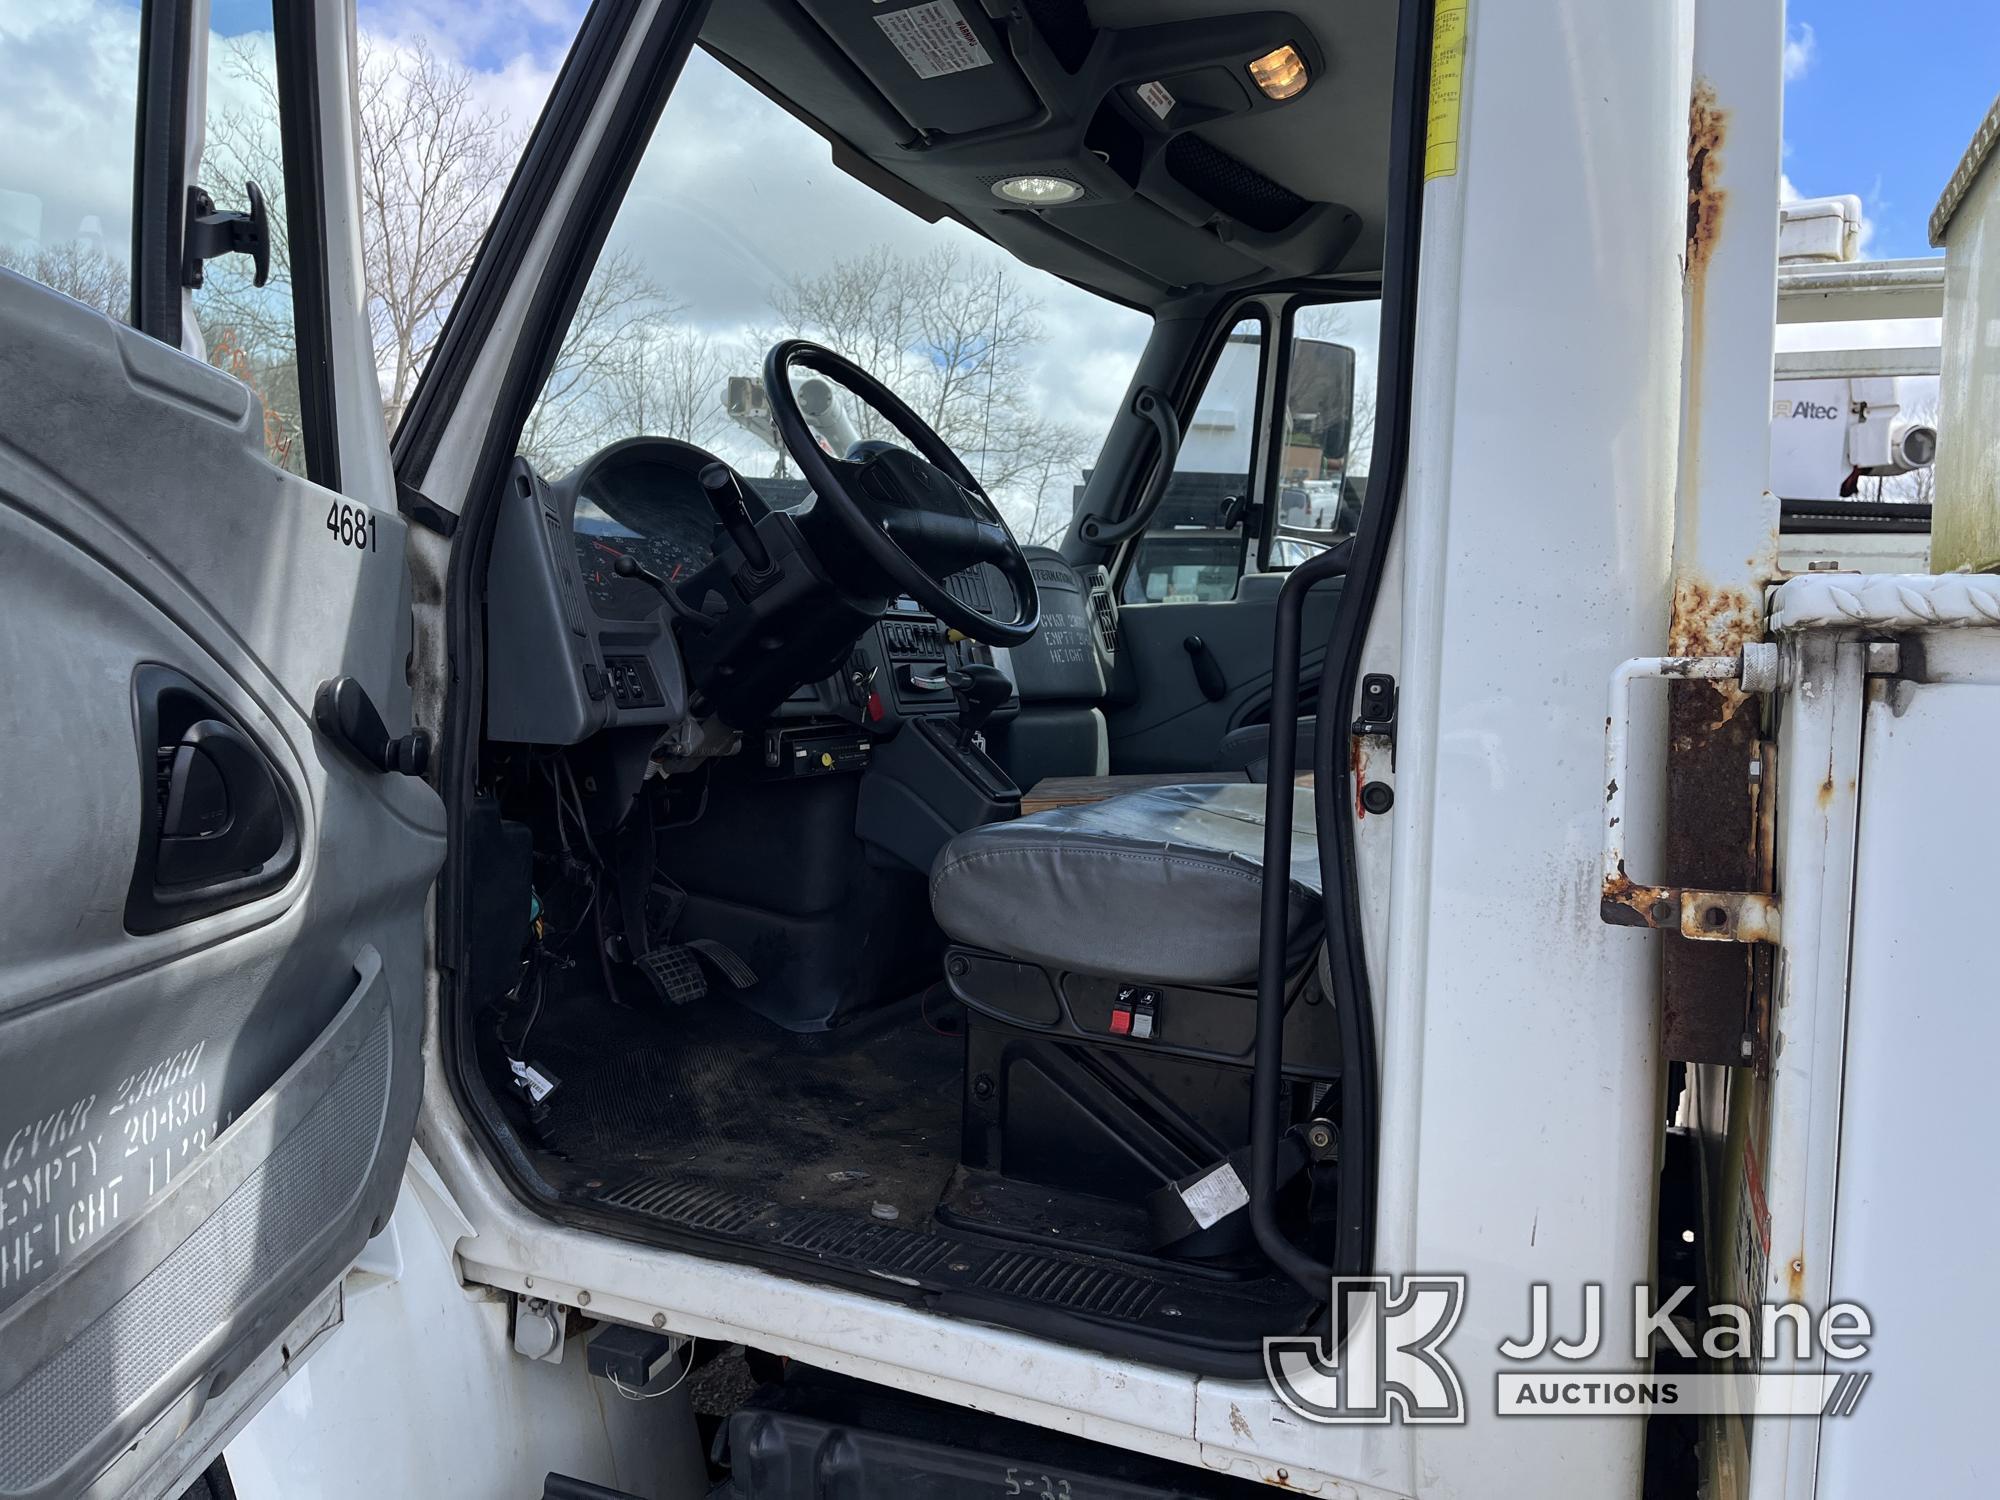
1234,187
1104,613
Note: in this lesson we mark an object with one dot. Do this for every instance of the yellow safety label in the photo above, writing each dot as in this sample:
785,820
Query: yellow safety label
1447,83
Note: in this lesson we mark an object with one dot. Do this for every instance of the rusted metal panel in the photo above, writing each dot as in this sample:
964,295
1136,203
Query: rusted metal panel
1706,196
1725,550
1712,842
1722,913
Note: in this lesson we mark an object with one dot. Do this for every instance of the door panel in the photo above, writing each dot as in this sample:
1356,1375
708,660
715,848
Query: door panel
206,1097
1161,716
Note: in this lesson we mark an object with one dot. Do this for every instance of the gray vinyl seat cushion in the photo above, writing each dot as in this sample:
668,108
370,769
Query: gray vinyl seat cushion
1162,885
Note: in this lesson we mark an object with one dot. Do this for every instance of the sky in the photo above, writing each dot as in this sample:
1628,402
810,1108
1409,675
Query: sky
1881,100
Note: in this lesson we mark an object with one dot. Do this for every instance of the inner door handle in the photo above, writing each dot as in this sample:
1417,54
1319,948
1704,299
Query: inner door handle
220,824
224,814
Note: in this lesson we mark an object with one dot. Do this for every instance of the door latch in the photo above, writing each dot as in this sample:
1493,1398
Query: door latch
1378,707
213,231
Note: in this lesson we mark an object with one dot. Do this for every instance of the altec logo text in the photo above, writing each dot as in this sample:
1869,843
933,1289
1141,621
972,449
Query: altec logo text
1391,1366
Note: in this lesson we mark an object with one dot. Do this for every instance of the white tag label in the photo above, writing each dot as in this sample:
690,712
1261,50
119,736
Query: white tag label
1213,1198
1156,98
934,38
538,1084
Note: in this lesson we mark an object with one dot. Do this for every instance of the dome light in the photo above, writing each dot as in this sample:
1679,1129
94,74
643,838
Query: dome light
1280,73
1038,191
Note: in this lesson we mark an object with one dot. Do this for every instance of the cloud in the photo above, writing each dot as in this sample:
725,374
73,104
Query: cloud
1801,51
67,116
733,195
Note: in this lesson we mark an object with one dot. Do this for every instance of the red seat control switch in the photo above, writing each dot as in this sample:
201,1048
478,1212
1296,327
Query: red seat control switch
1135,1013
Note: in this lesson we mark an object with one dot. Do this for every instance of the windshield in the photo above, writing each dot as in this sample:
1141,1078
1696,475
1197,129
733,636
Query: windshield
739,231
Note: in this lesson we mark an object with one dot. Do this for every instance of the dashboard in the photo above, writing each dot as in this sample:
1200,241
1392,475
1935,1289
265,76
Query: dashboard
577,649
654,511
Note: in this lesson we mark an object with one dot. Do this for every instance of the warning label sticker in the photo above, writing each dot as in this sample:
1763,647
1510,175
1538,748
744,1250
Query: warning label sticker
934,38
1155,97
1447,88
1213,1198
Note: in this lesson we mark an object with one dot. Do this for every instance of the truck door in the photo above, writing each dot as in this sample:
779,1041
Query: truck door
1261,481
216,853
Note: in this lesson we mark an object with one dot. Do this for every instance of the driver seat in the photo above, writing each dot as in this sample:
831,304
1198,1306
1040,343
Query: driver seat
1162,886
1106,955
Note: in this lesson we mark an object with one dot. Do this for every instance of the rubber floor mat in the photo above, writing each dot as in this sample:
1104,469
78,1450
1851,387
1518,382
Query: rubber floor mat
712,1093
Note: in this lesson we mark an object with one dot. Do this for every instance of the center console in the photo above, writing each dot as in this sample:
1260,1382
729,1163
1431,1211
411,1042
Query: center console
909,712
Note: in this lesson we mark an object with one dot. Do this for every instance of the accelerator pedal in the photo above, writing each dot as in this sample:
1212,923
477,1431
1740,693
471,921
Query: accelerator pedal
727,963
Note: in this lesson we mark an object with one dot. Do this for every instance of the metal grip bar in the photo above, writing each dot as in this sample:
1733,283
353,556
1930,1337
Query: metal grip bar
1274,927
1158,410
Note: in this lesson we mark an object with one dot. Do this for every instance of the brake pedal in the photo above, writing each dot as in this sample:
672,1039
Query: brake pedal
676,973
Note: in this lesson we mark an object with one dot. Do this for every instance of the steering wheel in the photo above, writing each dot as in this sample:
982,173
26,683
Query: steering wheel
918,517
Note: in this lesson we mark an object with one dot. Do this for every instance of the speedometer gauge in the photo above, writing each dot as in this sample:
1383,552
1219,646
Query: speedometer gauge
678,544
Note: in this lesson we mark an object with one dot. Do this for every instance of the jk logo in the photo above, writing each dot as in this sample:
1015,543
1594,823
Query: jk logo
1389,1368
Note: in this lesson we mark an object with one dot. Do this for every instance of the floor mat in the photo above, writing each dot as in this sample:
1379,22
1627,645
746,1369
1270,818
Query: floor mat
711,1092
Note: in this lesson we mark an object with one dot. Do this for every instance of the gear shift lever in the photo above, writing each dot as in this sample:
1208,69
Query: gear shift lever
979,689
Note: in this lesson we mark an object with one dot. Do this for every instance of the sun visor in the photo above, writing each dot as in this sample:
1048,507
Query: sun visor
939,62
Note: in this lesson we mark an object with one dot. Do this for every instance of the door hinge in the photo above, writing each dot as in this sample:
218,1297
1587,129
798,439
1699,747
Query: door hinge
1708,916
213,231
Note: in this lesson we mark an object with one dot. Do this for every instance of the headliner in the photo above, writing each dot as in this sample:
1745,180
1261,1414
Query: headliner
1229,190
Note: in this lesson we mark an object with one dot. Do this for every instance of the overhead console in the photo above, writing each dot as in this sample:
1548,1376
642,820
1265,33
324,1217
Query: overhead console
1096,141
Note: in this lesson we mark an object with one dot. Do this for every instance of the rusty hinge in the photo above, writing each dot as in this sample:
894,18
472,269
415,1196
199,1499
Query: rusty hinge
1708,916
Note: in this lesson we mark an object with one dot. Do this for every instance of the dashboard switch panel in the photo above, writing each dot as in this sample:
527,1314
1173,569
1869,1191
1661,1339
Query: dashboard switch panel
632,684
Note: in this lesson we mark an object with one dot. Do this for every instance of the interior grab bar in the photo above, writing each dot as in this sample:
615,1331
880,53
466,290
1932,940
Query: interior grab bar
1157,409
1267,1067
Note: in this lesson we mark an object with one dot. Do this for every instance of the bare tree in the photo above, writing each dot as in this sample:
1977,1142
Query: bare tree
78,269
585,402
674,383
1042,500
433,164
952,338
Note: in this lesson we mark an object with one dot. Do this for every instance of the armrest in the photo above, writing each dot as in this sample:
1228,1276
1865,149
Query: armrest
1249,749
